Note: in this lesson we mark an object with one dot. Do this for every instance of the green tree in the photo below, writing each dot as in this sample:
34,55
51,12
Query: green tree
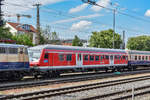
23,39
76,41
50,37
104,39
139,43
5,33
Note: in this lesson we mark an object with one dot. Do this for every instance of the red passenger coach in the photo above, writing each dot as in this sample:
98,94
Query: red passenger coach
56,58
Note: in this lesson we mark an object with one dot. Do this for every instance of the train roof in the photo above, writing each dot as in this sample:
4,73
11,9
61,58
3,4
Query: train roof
11,45
73,48
138,52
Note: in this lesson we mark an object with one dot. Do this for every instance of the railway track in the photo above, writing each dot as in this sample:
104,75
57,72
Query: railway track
67,90
66,80
123,95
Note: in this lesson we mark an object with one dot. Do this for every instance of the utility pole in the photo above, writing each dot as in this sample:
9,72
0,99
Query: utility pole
123,44
1,20
114,24
92,2
37,36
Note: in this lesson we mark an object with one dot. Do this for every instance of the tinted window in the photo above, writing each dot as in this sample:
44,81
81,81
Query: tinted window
142,57
135,57
107,57
139,57
46,56
69,57
21,50
116,57
2,50
102,57
61,57
13,50
91,58
146,57
96,58
124,57
86,57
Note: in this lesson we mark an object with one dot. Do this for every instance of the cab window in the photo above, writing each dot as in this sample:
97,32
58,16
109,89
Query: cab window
46,56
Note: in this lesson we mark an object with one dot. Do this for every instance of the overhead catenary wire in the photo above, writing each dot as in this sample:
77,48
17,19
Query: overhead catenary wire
119,12
60,13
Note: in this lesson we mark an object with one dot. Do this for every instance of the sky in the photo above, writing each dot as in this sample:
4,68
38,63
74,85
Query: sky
73,17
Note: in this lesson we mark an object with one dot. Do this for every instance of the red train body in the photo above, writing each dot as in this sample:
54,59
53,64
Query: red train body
52,58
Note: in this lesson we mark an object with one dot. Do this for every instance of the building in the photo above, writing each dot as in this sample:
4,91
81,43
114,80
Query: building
68,42
17,28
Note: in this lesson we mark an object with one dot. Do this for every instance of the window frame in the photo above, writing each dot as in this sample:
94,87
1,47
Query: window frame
61,57
3,49
68,57
13,50
97,56
86,56
107,57
92,57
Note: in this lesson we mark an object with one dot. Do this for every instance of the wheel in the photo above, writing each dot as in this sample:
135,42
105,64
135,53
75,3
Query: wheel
17,76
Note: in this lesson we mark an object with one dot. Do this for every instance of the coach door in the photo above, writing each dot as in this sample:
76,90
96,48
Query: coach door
111,60
79,59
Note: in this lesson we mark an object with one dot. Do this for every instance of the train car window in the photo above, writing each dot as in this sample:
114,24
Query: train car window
102,57
69,57
142,57
135,57
107,57
146,57
116,57
2,50
119,57
91,58
96,58
86,57
139,57
124,57
21,50
61,57
13,50
111,57
46,56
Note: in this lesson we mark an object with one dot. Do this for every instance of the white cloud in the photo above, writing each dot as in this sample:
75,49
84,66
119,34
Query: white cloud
77,18
18,6
147,13
81,25
78,8
104,3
